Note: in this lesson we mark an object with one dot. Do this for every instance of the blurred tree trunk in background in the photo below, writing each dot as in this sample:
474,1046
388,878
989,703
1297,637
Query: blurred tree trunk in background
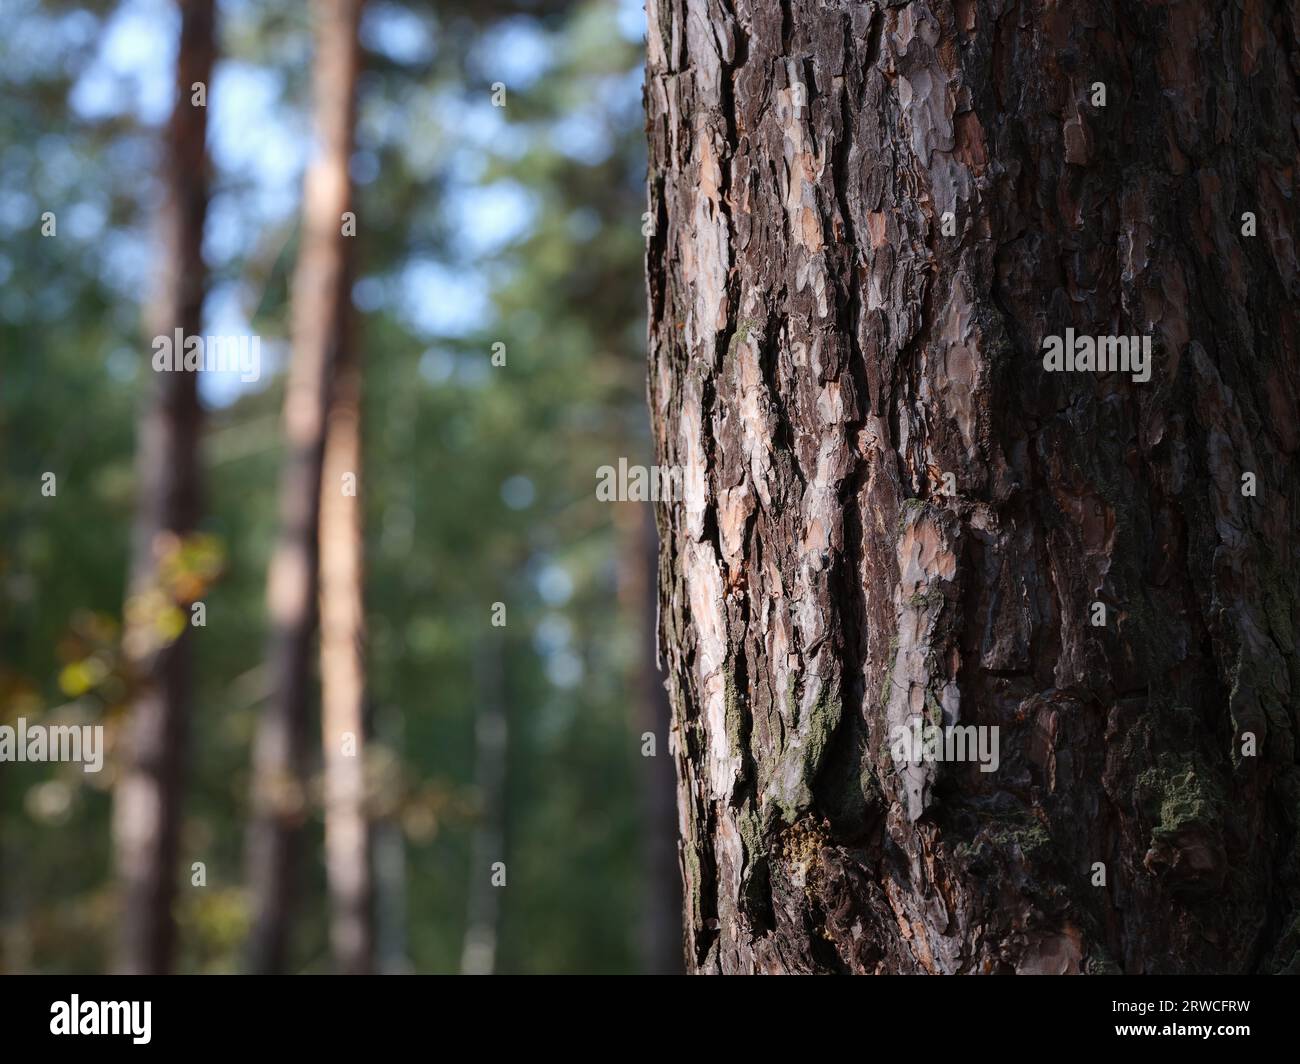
491,736
320,300
661,914
344,723
868,218
391,921
147,798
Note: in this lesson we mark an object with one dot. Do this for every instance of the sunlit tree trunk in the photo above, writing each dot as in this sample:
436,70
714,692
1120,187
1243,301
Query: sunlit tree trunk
344,724
147,797
320,297
868,220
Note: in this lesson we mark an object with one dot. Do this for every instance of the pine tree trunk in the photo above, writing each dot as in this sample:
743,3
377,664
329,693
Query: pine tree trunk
344,723
660,931
320,296
147,796
891,512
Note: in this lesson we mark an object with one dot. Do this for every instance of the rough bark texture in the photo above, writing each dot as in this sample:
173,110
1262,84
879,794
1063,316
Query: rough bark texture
822,353
147,796
320,295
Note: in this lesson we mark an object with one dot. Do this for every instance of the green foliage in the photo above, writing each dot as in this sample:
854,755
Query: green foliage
478,481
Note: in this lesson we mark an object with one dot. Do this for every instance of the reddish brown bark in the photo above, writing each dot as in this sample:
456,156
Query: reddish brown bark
147,797
344,723
321,297
824,349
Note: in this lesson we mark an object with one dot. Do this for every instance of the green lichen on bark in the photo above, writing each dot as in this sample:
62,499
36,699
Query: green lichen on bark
1179,793
693,882
754,878
930,600
1022,833
744,327
887,681
908,512
799,759
737,719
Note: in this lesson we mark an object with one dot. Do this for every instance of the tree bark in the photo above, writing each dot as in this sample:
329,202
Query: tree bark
344,723
147,796
824,350
320,298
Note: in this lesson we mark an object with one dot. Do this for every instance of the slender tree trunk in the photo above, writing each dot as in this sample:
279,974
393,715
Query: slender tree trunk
392,945
391,951
146,801
491,736
660,932
344,724
869,219
320,297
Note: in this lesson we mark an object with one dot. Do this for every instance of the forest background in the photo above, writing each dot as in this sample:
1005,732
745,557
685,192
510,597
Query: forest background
478,226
